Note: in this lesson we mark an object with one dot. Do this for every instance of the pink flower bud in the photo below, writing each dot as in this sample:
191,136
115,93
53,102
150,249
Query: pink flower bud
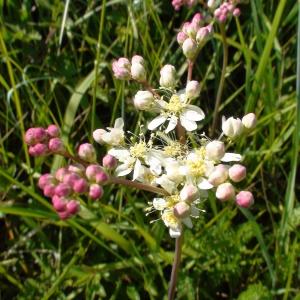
91,171
49,190
181,210
72,207
61,173
237,12
38,150
56,145
138,72
44,180
197,19
64,215
62,190
237,173
109,162
29,137
70,178
225,191
189,193
87,152
192,89
219,175
244,199
192,29
96,191
181,37
215,150
40,134
121,68
189,48
53,131
222,18
177,4
58,203
218,12
101,177
249,121
80,186
185,27
97,135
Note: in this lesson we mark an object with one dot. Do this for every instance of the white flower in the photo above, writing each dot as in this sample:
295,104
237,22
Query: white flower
114,136
176,110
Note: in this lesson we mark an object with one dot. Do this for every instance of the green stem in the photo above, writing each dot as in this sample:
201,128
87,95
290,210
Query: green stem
222,79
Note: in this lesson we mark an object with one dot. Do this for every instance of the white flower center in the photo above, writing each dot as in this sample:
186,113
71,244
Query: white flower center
197,166
175,106
138,150
174,149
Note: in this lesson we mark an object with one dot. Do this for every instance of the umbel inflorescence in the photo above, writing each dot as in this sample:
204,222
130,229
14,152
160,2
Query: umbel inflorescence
169,156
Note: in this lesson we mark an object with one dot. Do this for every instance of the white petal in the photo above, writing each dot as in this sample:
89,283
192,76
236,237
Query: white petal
187,222
154,163
138,170
119,123
121,154
187,124
172,124
166,184
156,122
204,185
175,232
159,203
193,113
231,157
123,170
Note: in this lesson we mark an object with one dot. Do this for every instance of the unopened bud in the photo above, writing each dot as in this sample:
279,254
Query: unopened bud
61,173
109,162
72,207
197,19
211,3
225,191
181,37
249,120
244,199
30,137
49,190
44,180
64,215
189,193
62,190
87,152
237,173
190,49
215,150
91,172
236,12
70,178
138,72
167,76
121,68
58,203
77,168
181,210
143,100
137,59
101,177
96,191
56,145
219,175
80,186
192,89
192,29
232,127
97,135
38,150
53,131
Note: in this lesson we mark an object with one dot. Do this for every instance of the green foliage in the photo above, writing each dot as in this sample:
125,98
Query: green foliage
55,71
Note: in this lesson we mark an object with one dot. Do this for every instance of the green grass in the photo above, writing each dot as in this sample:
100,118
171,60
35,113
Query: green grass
55,68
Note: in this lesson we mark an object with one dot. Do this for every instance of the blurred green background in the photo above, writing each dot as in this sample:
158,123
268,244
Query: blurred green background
56,68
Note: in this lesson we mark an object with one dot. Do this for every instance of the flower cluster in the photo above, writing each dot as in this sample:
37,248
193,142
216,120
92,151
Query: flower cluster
225,10
194,35
178,3
43,141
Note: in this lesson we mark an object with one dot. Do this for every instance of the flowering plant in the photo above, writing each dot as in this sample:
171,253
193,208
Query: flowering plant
168,156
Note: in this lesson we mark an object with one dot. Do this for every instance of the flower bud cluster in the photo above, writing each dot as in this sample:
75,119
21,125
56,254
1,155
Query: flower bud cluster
225,10
42,141
68,183
194,35
125,70
234,127
178,3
